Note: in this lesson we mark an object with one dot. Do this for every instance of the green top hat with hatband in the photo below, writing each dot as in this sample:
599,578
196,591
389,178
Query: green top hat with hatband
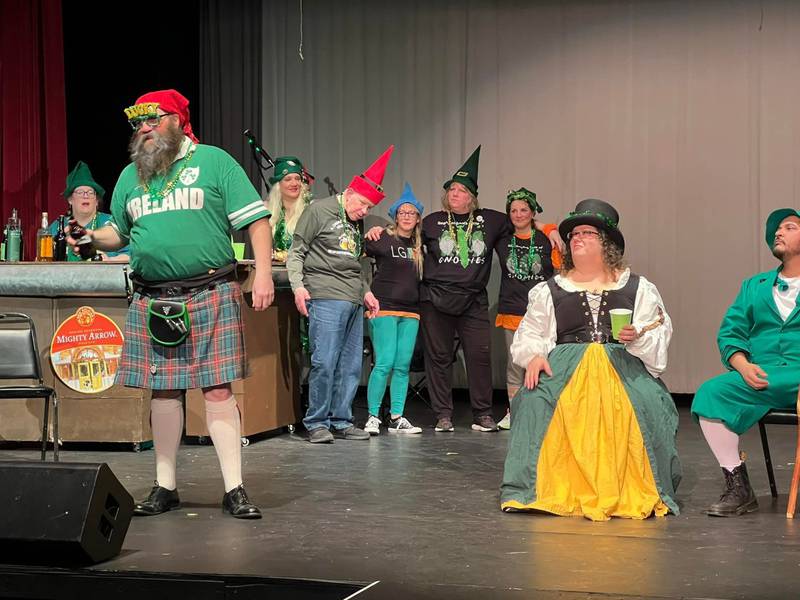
81,175
285,165
467,175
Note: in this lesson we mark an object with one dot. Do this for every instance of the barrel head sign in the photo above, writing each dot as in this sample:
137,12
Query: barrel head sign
86,350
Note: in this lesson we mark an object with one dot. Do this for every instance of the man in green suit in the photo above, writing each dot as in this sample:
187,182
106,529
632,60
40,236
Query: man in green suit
759,342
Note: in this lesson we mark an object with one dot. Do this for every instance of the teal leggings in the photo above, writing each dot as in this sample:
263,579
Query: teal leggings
393,341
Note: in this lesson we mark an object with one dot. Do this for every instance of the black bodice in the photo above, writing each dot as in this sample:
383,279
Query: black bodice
574,318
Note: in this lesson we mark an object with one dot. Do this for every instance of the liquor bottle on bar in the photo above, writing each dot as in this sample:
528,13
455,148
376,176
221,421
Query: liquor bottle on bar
60,241
44,242
83,241
13,237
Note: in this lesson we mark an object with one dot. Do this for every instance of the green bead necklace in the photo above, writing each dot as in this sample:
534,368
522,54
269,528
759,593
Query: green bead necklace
167,189
353,237
519,273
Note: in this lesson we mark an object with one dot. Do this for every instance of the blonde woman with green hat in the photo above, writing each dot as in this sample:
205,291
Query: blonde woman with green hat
288,198
84,195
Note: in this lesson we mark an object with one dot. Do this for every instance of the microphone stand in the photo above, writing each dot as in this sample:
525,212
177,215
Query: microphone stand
260,156
331,189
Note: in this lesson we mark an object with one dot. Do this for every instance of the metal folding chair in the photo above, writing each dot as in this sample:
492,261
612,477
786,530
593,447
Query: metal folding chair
19,359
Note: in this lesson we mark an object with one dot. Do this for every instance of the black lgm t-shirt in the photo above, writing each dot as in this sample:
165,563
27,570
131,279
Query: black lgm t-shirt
396,282
442,260
515,284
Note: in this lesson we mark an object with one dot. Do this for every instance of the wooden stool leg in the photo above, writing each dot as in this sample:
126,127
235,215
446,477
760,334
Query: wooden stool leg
796,471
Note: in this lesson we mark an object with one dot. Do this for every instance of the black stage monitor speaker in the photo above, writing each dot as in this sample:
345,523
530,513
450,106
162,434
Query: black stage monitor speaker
56,513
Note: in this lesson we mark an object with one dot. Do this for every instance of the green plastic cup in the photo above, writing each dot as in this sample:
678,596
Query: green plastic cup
238,250
619,318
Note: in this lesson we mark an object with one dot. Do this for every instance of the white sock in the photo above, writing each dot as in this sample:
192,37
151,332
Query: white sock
225,428
723,443
166,421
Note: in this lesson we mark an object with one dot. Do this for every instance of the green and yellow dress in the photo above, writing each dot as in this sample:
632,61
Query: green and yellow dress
597,438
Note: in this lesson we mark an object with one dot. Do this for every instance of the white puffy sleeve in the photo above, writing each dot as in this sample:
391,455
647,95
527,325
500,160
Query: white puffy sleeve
652,347
536,334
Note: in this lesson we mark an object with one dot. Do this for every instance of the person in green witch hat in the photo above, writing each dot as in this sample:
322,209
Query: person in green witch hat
759,343
288,198
459,240
84,195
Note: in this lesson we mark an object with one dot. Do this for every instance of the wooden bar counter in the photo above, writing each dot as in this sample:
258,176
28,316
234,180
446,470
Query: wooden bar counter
269,398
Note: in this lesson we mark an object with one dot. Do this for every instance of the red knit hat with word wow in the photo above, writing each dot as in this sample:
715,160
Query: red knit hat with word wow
368,184
172,101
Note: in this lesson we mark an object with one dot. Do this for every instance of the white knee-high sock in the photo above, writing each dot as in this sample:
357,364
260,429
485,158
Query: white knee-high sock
225,428
723,443
166,421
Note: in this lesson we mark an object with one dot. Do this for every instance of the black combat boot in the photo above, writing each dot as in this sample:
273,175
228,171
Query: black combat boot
738,497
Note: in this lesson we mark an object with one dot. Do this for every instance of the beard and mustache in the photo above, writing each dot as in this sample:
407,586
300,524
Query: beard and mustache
156,158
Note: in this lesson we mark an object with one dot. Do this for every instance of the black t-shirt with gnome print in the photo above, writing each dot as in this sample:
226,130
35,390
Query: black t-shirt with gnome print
396,282
532,266
458,254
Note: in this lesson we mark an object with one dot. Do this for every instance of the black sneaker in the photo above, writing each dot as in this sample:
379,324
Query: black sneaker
485,424
320,435
402,425
444,424
351,433
159,501
237,504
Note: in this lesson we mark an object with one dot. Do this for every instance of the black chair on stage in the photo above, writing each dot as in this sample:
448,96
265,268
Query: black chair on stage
19,359
776,416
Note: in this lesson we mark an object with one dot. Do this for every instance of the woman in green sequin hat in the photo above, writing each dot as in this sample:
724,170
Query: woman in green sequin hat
288,198
527,259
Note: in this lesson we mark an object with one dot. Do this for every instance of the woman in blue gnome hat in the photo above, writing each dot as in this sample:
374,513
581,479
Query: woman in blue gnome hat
398,260
288,198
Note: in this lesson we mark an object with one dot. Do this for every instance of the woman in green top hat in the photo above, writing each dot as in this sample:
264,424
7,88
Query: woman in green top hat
84,195
288,198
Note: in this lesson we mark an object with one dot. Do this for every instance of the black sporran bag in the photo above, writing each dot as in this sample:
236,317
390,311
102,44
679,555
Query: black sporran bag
168,322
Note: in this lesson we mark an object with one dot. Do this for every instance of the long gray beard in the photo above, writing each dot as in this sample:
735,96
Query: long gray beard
156,159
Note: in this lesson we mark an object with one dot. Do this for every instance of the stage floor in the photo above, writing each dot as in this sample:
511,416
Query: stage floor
419,514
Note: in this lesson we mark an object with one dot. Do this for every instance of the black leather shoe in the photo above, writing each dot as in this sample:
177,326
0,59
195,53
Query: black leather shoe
237,504
737,498
160,500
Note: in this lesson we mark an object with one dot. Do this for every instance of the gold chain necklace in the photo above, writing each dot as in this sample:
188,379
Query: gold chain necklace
451,229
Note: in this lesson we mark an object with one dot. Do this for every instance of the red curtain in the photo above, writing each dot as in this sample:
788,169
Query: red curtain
33,130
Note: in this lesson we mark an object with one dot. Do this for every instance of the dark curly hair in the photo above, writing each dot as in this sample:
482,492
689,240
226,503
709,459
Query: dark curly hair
612,255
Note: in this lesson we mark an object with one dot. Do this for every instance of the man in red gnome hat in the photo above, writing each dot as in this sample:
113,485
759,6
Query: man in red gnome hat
325,273
176,203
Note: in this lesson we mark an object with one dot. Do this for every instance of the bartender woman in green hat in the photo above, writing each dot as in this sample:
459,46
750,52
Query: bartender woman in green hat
84,195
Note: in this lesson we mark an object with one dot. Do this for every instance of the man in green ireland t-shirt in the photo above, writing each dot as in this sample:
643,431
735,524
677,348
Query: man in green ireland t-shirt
325,274
176,204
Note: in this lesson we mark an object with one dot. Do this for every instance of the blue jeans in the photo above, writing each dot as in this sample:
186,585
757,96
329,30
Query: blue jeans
336,340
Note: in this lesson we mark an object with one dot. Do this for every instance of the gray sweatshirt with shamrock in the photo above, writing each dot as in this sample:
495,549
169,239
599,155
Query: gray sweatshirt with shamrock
322,258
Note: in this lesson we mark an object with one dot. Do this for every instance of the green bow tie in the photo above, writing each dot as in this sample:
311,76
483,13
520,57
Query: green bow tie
782,285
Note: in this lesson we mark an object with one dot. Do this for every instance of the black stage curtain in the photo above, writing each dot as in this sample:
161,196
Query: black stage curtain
230,78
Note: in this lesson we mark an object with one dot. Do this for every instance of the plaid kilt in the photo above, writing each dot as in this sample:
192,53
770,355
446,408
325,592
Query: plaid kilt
212,354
